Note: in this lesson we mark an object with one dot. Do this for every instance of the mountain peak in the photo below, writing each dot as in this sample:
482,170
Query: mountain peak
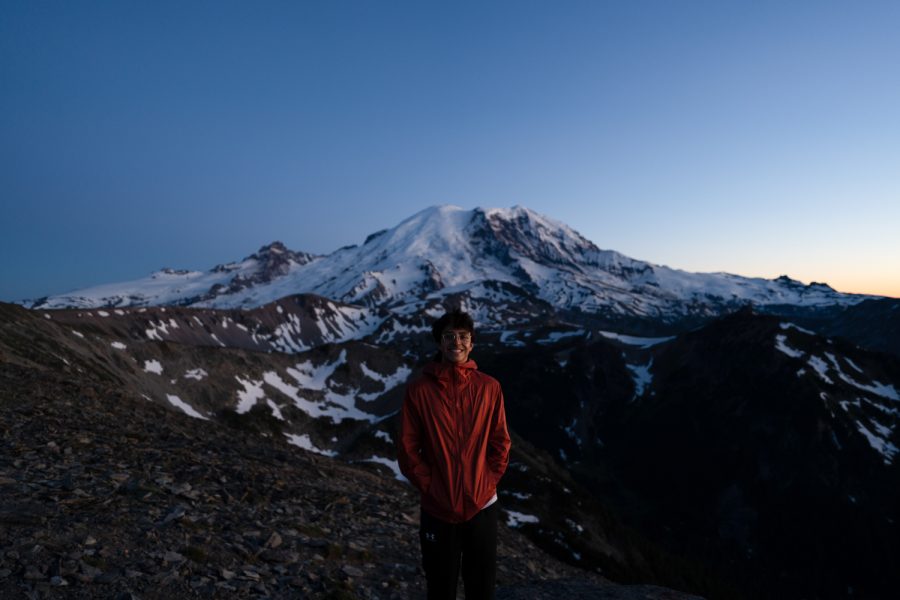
793,283
785,280
277,252
448,250
275,247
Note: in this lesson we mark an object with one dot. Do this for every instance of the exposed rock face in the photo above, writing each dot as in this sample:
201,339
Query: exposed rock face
268,264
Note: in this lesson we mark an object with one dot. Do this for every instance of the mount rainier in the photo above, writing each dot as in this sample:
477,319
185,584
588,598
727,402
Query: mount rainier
471,254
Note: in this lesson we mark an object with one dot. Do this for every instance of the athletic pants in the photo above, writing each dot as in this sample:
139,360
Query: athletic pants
472,545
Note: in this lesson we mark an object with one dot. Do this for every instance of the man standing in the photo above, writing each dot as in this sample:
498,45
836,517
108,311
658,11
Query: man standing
454,447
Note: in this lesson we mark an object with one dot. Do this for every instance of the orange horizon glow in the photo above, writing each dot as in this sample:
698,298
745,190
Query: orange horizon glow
857,285
872,290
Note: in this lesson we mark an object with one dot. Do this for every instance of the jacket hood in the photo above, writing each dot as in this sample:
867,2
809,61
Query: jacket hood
445,371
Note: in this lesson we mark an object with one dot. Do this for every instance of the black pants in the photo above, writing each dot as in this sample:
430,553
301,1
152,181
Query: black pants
446,546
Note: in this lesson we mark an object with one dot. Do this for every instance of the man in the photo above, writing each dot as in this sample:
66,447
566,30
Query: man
454,447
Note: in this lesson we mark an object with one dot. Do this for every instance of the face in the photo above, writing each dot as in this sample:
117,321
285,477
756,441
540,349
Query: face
456,345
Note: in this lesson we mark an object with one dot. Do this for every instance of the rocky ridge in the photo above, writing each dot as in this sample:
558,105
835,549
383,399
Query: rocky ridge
109,495
760,448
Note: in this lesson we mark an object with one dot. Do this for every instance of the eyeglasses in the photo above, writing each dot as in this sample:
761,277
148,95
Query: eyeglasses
452,337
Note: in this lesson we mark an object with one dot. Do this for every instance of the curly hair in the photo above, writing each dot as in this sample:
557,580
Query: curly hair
455,319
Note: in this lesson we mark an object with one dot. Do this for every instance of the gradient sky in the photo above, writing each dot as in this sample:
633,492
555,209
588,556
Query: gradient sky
758,138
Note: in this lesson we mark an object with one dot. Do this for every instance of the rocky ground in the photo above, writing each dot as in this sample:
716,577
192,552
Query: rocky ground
103,495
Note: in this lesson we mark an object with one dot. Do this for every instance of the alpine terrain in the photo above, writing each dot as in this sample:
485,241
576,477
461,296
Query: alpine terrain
232,431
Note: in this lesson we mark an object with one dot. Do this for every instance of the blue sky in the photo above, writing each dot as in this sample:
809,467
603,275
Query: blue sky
758,138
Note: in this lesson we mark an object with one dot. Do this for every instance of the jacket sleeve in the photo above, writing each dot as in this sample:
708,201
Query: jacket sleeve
409,448
498,442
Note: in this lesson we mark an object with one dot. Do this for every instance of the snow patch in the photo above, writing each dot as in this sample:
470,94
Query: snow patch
574,526
389,381
853,364
887,450
632,340
184,406
276,410
157,330
248,397
517,519
304,441
314,382
198,374
118,345
507,339
393,465
786,326
642,378
781,344
821,368
560,335
153,366
315,377
876,387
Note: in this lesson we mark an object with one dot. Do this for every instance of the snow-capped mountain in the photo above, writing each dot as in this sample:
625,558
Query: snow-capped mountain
446,250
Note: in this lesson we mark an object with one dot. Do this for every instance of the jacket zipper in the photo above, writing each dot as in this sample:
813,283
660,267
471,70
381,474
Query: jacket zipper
457,405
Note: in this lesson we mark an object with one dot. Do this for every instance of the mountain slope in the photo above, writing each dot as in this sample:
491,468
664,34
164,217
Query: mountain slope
781,445
337,400
445,250
106,495
764,450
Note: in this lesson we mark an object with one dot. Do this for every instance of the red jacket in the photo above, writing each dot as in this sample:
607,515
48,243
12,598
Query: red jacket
454,446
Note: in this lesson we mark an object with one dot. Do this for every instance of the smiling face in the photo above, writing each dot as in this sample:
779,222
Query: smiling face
456,344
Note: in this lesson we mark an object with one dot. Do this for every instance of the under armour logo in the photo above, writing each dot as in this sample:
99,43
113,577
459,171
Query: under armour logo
430,537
